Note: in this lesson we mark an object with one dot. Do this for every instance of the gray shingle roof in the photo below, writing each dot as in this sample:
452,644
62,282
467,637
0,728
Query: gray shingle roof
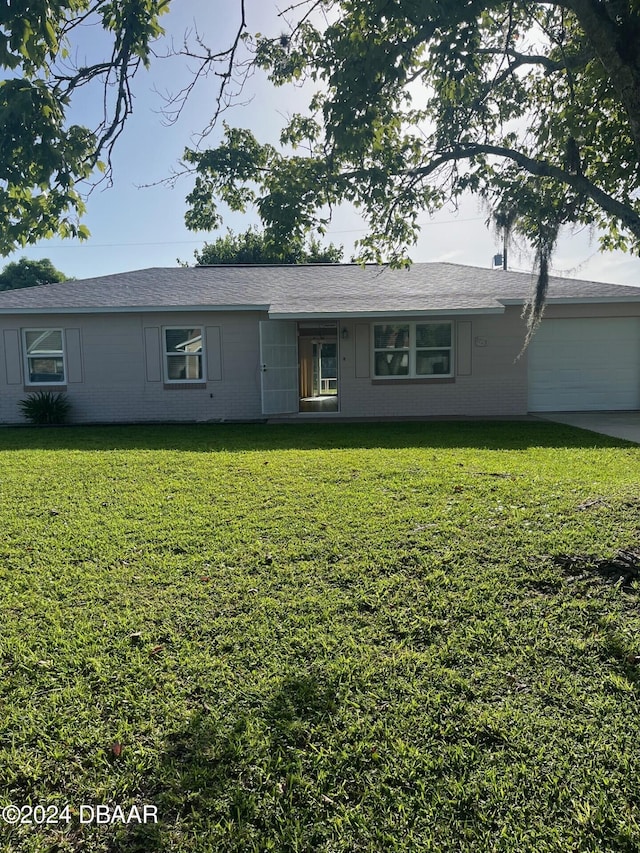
337,290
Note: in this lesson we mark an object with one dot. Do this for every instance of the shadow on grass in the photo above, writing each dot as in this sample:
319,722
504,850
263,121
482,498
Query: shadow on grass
211,438
236,784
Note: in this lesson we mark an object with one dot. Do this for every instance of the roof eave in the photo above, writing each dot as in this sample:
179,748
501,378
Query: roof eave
133,309
574,300
414,312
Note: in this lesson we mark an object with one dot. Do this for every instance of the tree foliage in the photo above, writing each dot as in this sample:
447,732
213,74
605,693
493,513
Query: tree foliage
251,247
533,106
28,273
43,157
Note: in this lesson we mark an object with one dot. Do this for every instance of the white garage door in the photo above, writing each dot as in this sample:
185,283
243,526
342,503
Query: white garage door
581,365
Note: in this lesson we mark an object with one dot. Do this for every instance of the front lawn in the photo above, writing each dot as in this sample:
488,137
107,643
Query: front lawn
320,638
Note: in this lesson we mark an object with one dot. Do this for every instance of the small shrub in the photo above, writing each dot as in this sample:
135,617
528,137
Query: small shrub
45,407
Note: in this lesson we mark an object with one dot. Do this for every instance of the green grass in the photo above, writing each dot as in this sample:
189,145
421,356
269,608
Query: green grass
320,638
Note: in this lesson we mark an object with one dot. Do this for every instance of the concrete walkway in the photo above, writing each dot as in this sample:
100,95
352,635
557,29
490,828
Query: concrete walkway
616,424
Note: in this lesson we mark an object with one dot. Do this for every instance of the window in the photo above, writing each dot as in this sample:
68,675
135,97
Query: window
433,349
391,350
412,350
44,354
183,355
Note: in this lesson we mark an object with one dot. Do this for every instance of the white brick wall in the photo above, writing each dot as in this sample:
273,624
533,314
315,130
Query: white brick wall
497,384
114,386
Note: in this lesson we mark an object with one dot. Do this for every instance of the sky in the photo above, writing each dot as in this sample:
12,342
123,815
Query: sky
138,222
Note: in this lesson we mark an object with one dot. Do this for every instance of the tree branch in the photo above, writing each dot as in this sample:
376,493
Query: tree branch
541,168
550,65
176,103
617,45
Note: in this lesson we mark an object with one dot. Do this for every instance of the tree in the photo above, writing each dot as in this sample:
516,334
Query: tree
535,106
252,248
42,156
26,273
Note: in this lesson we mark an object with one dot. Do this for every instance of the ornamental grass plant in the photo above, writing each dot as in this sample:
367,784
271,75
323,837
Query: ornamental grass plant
45,407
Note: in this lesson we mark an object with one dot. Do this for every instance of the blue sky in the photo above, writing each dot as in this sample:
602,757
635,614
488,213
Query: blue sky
135,224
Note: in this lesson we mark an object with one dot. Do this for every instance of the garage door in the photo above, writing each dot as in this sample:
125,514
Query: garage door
581,365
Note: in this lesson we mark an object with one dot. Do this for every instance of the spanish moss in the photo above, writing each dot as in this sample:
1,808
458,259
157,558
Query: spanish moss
534,308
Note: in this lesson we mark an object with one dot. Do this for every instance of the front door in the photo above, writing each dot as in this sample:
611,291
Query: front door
279,366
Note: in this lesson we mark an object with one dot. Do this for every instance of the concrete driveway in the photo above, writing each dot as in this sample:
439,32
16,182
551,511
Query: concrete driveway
617,424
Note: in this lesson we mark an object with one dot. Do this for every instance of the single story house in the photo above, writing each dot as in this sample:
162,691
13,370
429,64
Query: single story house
253,342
